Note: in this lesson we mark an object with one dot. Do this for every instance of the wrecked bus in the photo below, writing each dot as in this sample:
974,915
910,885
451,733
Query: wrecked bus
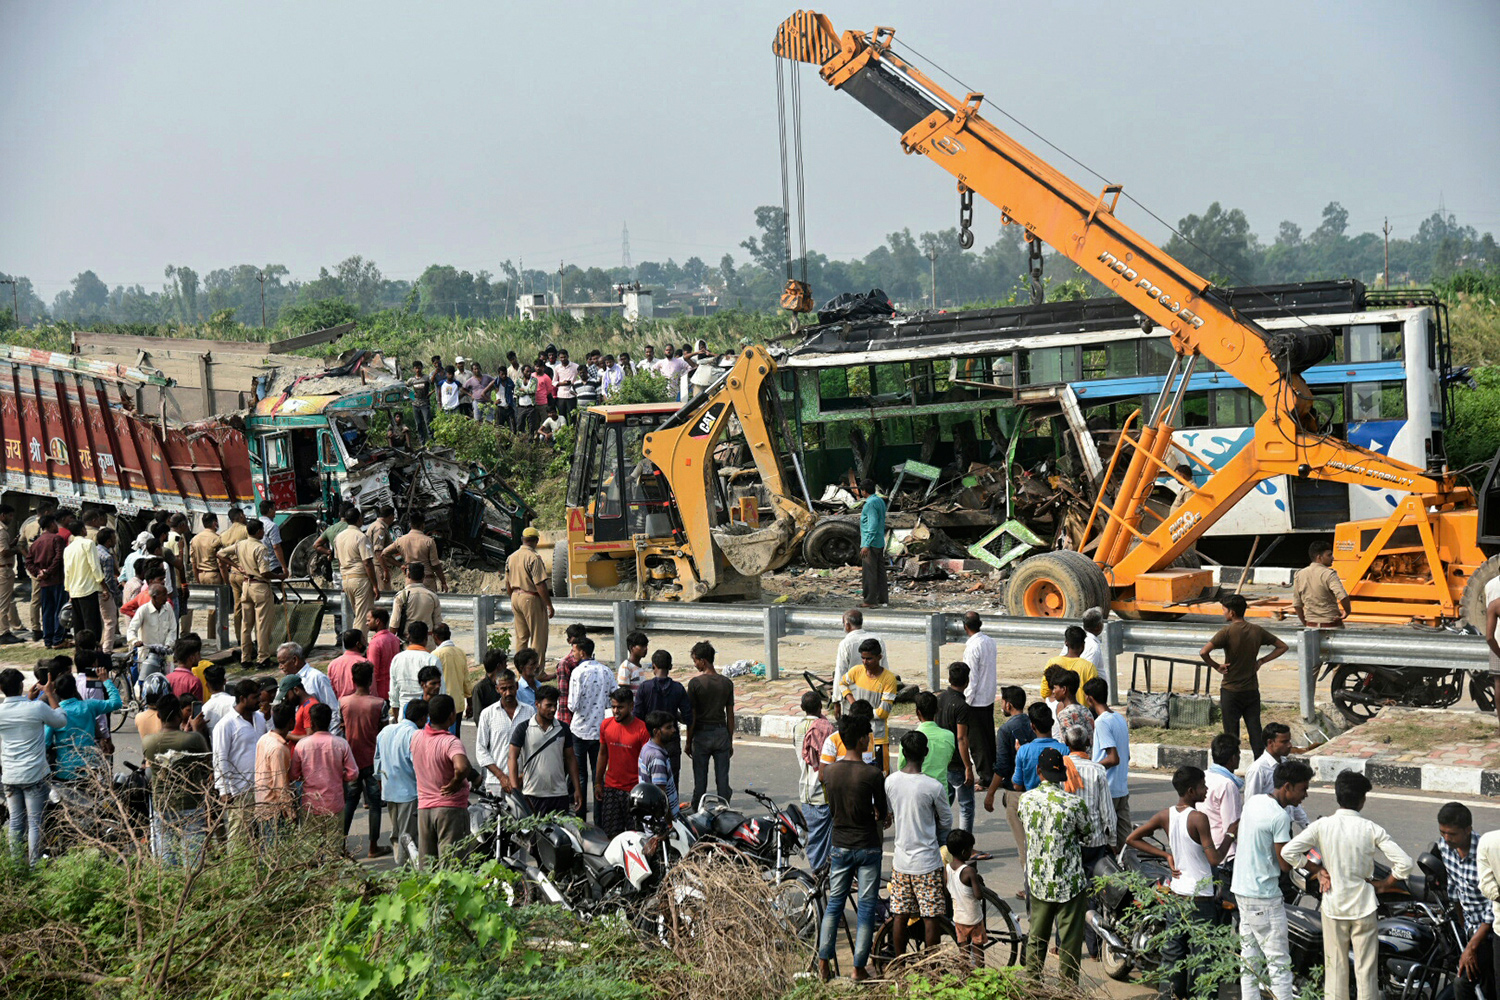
95,432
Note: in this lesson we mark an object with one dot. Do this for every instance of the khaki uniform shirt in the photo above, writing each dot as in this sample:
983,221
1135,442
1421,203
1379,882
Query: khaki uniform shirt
7,541
232,536
415,547
204,552
254,558
379,535
352,548
526,571
1317,590
30,532
415,604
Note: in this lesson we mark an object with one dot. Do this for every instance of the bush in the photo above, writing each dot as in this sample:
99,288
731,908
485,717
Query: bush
642,387
1475,433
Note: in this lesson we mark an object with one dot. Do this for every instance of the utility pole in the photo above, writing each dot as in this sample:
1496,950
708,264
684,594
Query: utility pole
1387,229
260,276
932,261
15,301
625,251
561,299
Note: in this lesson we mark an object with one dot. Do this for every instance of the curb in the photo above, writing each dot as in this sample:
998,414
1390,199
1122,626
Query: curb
1160,756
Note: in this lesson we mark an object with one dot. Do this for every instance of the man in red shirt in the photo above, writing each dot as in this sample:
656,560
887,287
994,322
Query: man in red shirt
292,693
620,740
381,650
442,770
338,668
363,715
323,763
184,683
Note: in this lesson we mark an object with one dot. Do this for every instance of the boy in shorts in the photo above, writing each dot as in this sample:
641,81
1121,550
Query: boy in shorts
966,888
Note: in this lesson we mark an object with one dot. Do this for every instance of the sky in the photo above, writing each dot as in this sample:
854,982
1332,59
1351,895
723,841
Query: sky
138,135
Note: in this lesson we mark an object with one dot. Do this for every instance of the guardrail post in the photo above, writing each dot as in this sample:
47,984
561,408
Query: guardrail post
1111,644
1309,658
484,617
224,616
346,612
937,630
623,614
771,629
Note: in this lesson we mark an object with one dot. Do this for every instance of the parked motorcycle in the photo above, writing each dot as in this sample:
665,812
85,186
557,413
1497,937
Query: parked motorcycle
1361,690
1124,942
768,841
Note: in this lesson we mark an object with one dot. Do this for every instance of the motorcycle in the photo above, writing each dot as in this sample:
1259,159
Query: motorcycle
1420,933
1361,690
768,841
1124,943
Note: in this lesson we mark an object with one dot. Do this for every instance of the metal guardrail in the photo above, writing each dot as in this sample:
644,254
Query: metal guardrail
1313,648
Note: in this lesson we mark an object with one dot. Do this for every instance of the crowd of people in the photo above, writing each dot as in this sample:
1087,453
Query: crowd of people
537,398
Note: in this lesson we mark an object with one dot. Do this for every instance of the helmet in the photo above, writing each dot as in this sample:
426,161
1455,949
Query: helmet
154,686
647,800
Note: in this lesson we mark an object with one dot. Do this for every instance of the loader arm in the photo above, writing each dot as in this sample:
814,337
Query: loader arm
682,449
1082,226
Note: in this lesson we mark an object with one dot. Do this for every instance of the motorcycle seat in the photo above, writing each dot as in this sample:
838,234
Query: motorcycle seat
593,839
726,822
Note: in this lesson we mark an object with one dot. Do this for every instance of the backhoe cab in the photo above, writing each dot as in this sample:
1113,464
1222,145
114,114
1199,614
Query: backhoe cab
661,504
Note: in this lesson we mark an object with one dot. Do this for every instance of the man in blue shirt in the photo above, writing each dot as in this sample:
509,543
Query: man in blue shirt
1112,749
1024,776
76,745
398,777
872,546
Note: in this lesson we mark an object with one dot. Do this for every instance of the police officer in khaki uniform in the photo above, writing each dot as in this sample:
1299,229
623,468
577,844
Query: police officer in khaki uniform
526,580
258,603
379,536
9,619
416,603
416,546
356,565
31,530
203,565
1318,595
232,536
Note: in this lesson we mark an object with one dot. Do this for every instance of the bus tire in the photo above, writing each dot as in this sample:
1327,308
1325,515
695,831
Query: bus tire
832,543
560,569
1053,585
1472,604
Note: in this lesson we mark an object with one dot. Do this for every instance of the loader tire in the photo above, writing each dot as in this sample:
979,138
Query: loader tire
831,543
1473,605
1053,585
560,569
1091,572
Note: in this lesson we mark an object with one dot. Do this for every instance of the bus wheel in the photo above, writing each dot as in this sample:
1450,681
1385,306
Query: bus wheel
1052,585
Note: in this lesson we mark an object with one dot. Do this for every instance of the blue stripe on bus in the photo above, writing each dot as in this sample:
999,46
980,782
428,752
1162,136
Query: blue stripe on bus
1109,388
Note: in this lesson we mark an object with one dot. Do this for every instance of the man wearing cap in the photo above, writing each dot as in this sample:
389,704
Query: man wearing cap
1057,823
526,580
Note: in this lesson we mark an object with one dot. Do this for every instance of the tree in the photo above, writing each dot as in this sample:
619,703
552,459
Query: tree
90,299
769,252
1217,244
182,291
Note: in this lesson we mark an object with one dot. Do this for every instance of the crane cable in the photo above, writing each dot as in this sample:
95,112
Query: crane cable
786,198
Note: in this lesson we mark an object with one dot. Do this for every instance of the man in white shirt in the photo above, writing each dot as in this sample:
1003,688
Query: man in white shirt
234,740
154,623
847,657
611,377
1260,775
1348,844
1222,806
291,660
23,756
449,395
565,376
979,654
220,702
673,367
405,666
1491,635
1093,627
496,723
588,699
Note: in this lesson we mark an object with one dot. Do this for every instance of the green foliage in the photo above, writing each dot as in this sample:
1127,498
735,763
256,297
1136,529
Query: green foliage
981,984
435,933
473,443
318,315
499,638
1213,951
1475,434
642,387
563,443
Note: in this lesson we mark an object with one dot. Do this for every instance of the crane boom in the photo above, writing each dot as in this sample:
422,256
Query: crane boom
1083,227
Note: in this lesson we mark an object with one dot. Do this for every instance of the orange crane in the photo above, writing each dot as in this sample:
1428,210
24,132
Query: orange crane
1424,562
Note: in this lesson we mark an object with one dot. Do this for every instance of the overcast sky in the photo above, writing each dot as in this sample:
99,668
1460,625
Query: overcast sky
137,135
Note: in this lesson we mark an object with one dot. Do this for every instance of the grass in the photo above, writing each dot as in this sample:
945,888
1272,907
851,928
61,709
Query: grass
1201,736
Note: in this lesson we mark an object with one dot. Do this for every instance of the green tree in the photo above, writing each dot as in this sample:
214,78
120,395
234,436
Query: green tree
1218,245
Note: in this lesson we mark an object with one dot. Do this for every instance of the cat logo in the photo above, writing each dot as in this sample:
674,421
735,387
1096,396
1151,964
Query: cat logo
707,422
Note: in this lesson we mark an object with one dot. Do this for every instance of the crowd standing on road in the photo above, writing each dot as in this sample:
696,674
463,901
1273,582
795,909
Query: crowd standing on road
246,763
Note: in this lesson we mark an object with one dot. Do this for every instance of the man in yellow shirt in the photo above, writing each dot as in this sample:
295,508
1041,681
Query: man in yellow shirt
456,680
1075,661
870,682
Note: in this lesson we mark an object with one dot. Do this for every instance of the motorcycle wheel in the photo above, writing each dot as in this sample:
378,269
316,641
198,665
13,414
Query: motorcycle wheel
1482,690
1355,694
1003,940
794,903
1116,964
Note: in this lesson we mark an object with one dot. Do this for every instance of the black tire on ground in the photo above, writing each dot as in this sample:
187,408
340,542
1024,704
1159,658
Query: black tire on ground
1091,573
1354,694
1129,614
1055,585
560,569
1482,690
1472,604
831,543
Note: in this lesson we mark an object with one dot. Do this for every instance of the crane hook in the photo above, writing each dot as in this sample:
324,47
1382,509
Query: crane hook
965,217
